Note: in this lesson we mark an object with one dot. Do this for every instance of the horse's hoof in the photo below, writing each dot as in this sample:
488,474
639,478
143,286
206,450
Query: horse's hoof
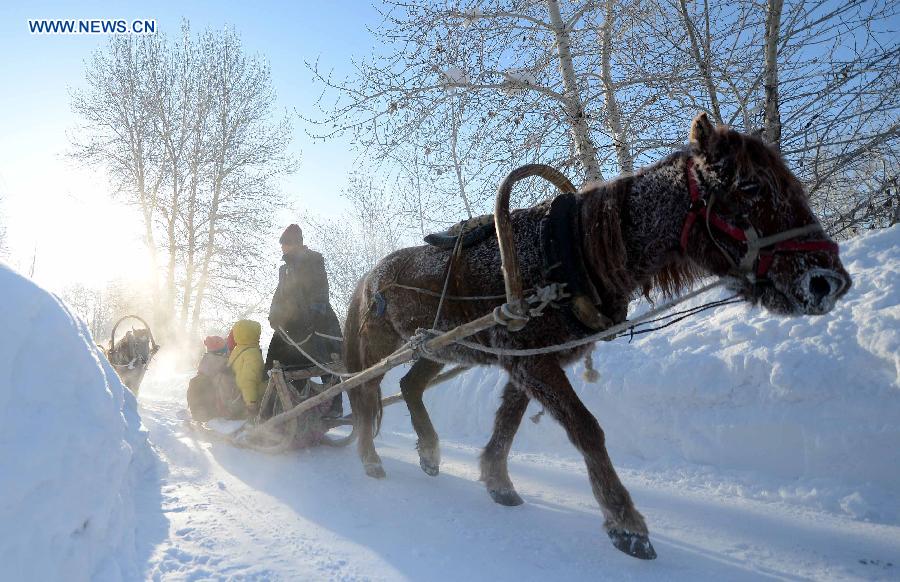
430,468
506,496
375,470
635,545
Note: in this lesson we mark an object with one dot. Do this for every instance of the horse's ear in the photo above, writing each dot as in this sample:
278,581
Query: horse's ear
701,131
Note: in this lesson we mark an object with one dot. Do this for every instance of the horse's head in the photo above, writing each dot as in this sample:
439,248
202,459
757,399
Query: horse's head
750,219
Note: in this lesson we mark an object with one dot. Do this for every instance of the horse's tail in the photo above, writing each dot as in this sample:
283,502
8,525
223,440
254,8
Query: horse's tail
361,398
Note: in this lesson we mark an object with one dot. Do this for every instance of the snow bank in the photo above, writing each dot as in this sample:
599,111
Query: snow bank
803,409
71,447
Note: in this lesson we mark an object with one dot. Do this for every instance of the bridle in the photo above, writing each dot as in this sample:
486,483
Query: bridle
760,251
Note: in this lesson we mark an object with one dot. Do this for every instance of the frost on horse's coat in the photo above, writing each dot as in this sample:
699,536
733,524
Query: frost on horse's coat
629,231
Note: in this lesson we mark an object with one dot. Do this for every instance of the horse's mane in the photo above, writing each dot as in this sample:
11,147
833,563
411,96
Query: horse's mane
606,243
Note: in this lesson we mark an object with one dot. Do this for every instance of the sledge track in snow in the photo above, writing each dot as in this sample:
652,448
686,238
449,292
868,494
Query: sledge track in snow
313,514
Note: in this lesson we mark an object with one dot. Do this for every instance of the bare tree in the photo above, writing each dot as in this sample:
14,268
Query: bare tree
372,228
188,133
600,87
821,80
118,133
519,77
101,308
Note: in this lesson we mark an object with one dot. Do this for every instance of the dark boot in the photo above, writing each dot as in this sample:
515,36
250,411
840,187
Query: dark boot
337,407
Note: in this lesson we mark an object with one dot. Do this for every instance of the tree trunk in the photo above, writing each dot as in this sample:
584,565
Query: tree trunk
190,267
173,256
581,133
613,114
457,165
203,281
772,128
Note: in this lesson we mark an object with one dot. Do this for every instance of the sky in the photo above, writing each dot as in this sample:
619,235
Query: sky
60,217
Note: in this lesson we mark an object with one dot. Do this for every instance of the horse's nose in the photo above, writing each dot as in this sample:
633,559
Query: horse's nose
824,286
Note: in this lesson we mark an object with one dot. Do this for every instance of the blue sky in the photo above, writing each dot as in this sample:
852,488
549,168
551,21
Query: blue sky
47,200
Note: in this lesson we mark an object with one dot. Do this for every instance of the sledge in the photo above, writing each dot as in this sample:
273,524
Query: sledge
131,355
287,388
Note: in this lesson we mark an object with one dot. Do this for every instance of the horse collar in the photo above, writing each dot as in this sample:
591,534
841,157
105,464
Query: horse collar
760,251
563,260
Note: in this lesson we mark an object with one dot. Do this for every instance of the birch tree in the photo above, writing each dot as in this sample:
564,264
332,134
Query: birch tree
188,132
371,228
615,82
824,88
525,70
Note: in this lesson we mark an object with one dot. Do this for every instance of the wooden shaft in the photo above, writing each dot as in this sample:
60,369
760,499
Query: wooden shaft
509,261
396,359
286,402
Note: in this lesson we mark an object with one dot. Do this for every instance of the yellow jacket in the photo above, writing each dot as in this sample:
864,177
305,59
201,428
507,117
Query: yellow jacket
246,360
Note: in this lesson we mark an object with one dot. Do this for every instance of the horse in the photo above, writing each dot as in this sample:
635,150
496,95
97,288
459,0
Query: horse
130,356
725,205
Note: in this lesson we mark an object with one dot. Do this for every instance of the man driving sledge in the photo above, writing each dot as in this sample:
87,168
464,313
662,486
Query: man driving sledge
300,307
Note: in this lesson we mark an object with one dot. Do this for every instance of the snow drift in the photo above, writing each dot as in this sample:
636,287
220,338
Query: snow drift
71,447
805,409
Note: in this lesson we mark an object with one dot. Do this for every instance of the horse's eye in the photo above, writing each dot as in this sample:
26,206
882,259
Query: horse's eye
748,187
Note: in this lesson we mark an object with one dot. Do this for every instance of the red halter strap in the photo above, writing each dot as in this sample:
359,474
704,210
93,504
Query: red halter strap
778,243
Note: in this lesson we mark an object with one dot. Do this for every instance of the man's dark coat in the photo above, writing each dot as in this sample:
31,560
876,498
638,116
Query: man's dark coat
301,307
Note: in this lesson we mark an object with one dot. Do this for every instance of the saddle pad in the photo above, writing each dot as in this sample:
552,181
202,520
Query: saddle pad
473,230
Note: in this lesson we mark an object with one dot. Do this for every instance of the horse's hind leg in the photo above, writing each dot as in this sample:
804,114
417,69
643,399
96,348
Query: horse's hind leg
494,472
364,401
413,385
546,381
363,347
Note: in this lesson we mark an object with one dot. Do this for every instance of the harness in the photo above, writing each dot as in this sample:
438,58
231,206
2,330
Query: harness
563,262
760,251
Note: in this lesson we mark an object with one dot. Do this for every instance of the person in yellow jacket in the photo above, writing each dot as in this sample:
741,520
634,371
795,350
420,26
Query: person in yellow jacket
246,362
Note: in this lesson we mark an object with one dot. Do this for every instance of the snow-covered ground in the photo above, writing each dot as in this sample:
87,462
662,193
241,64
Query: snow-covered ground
73,456
755,447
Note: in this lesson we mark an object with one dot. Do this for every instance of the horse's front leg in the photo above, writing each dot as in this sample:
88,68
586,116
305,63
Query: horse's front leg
544,380
494,470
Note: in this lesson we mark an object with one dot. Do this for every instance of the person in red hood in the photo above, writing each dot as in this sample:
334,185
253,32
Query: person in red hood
213,392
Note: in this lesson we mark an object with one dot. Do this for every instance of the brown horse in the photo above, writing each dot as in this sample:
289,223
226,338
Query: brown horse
725,206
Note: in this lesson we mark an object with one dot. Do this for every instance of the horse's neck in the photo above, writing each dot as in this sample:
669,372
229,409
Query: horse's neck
657,206
651,213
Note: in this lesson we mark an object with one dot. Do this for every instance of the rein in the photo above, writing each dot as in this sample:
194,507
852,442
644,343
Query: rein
757,259
653,315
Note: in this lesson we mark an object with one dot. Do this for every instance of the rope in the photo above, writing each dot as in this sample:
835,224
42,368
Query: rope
318,364
431,293
417,342
688,312
450,262
610,332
